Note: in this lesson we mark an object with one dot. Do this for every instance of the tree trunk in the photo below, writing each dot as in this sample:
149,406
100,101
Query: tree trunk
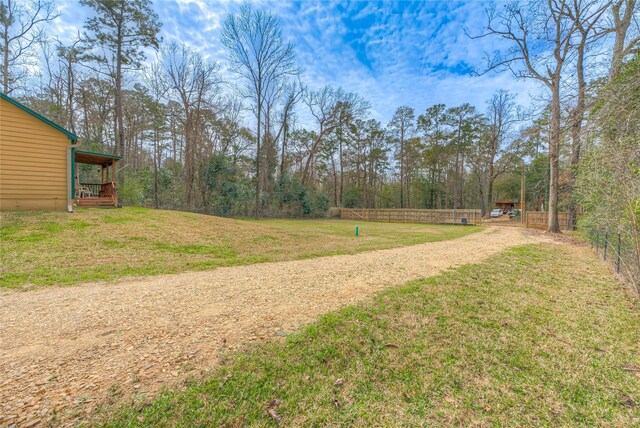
408,187
461,184
402,167
341,170
554,156
432,189
188,159
312,153
458,175
438,189
70,93
577,116
155,169
490,193
490,180
118,97
335,181
621,26
284,147
483,206
5,56
258,152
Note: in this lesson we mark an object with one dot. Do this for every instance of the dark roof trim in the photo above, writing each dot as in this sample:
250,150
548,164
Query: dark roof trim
104,155
73,137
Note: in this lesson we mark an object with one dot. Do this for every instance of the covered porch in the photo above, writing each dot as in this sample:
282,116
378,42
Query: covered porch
100,189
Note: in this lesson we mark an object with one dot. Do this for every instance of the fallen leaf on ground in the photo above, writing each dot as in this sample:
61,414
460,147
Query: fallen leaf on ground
274,415
628,402
633,370
274,403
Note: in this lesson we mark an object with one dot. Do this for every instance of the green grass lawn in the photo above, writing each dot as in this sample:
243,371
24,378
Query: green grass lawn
536,336
58,248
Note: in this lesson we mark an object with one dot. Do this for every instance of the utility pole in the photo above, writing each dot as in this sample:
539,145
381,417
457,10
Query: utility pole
522,196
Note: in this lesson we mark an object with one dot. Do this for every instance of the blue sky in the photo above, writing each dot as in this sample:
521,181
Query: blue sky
391,53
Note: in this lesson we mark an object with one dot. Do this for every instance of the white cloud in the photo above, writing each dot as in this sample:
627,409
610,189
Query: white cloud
390,53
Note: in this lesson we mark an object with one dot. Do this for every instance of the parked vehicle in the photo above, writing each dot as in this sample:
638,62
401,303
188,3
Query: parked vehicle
496,213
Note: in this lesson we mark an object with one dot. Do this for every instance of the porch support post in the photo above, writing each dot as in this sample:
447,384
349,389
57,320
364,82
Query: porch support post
69,181
113,182
71,184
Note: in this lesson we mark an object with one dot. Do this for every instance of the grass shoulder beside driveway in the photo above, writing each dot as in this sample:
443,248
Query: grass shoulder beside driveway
58,248
535,336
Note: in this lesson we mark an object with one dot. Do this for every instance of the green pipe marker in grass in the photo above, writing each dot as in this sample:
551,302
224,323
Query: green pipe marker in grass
356,230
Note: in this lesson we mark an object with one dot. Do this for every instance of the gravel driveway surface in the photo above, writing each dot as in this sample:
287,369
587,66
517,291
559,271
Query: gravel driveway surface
65,351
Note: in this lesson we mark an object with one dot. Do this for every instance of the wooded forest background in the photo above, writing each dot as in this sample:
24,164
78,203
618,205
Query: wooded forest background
265,144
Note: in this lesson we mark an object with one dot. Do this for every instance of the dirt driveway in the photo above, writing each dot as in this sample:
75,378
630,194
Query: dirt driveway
65,351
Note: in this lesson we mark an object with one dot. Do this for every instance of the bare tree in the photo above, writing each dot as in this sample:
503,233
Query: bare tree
279,102
20,31
95,105
496,150
331,109
230,125
195,83
585,16
541,43
624,13
294,93
158,87
59,71
502,116
69,60
260,55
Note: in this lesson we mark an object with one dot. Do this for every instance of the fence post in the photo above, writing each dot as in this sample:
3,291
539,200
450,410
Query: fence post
606,243
597,243
618,262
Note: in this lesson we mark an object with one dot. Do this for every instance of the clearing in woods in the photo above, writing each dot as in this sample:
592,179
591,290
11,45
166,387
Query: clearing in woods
57,248
68,350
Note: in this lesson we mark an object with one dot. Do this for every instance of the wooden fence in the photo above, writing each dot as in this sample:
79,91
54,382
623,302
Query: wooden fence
413,215
540,220
334,212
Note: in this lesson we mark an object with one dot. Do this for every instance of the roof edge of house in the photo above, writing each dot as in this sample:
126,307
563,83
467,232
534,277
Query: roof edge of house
105,155
73,137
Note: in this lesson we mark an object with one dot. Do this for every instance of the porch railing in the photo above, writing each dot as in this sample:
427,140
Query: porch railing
93,190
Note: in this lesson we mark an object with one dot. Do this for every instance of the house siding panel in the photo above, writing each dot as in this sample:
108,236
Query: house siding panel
33,162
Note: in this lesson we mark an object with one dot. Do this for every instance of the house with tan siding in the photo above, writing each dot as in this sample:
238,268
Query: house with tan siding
38,164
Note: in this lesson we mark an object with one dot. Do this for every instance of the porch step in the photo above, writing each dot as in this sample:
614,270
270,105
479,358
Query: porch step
95,202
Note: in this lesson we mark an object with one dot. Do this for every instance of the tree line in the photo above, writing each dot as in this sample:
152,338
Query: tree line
229,138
